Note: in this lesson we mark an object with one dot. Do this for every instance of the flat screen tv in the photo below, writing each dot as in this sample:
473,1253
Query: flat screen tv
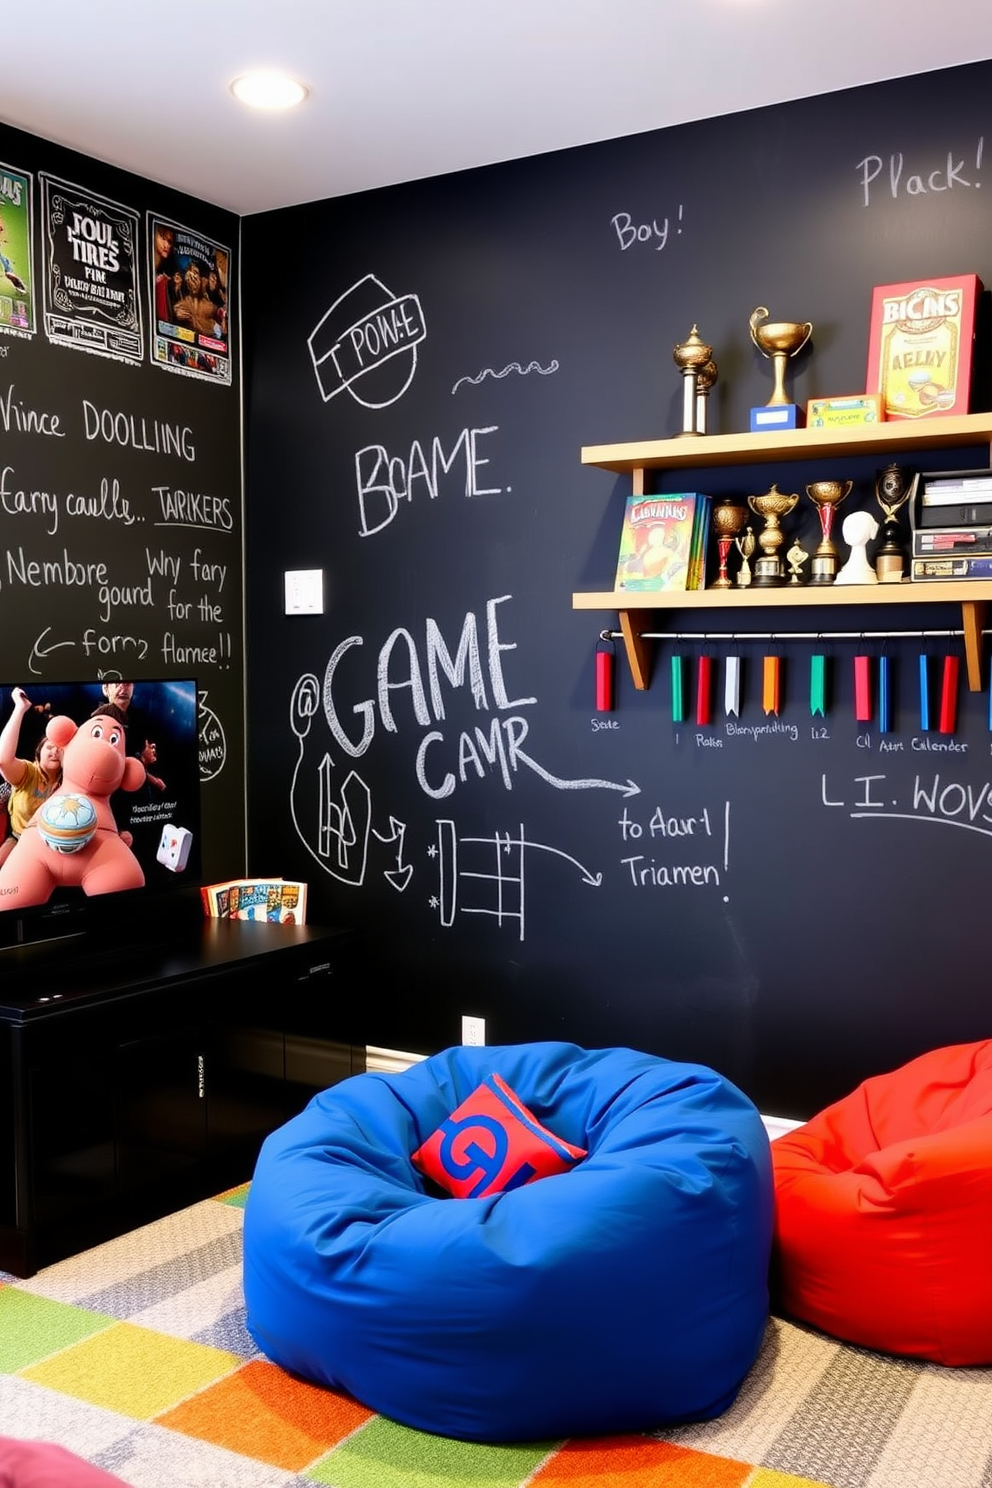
112,845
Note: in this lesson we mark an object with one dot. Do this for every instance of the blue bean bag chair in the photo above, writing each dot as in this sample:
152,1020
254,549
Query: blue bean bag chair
628,1291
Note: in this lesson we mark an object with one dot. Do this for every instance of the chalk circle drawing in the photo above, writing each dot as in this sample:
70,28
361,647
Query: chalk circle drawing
212,741
367,343
510,367
485,875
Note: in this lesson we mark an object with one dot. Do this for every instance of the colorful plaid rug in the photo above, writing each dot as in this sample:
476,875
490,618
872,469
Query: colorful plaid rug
135,1355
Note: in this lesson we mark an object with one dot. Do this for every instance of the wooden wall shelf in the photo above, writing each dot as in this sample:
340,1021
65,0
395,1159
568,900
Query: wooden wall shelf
691,451
639,612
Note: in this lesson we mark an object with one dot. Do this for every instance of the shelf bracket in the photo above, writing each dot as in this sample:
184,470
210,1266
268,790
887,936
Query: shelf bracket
640,652
972,625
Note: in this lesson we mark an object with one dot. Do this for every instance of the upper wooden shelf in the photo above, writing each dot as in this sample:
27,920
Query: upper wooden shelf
695,450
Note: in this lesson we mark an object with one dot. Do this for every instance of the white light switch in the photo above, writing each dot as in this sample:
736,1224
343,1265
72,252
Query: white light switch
305,591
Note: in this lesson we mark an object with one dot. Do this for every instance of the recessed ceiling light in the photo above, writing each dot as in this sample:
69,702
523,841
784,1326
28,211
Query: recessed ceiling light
268,90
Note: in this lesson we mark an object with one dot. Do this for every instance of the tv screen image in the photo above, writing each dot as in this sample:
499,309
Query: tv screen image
101,820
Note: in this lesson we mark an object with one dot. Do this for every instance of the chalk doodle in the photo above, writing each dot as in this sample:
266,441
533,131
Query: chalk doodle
510,367
494,874
367,342
213,744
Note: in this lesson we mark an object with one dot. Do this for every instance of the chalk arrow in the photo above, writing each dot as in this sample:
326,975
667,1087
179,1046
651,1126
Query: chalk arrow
627,789
39,653
401,875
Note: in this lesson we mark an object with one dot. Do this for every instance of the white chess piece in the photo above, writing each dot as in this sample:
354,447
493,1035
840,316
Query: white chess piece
858,530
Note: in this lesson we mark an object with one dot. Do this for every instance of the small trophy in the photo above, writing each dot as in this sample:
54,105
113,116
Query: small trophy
769,571
893,489
826,495
797,556
705,378
692,356
745,545
779,340
727,521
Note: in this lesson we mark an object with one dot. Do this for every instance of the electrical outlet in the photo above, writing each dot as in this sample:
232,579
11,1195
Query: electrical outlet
473,1030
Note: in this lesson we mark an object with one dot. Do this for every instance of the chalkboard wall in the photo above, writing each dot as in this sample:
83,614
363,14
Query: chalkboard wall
120,457
800,901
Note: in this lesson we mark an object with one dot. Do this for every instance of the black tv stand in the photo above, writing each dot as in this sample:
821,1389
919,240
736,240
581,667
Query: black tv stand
138,1077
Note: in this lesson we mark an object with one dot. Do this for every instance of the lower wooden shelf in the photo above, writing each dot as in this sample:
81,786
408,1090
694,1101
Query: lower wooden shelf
637,609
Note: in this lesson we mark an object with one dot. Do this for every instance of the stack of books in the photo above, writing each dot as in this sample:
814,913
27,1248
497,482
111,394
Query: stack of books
952,525
281,901
663,542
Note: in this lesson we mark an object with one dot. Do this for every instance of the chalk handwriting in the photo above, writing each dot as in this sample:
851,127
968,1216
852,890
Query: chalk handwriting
125,647
107,504
415,683
667,826
899,179
190,654
756,731
934,800
384,480
136,432
193,509
654,232
18,418
510,367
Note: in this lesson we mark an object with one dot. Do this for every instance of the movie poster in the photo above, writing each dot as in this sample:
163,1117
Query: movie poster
189,277
91,273
17,312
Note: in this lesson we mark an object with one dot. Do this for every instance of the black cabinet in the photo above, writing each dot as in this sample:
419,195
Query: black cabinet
137,1080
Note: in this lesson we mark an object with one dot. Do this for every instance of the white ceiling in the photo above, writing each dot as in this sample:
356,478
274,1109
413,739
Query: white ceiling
403,89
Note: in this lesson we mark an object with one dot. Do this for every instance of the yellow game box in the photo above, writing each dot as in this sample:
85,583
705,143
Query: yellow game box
844,413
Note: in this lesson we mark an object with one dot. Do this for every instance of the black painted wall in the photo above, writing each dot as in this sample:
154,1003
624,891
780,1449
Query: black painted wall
120,480
427,751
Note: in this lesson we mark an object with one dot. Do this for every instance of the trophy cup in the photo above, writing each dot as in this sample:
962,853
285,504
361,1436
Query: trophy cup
727,521
779,340
691,356
772,507
745,545
826,495
893,489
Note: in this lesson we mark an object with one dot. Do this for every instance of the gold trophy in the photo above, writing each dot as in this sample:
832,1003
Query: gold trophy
779,340
893,489
727,521
745,545
769,571
691,357
826,496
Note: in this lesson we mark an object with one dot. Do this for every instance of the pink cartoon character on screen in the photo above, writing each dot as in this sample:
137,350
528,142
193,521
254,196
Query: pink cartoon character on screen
72,840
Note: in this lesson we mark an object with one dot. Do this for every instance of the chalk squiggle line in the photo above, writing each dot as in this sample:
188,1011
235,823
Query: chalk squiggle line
513,367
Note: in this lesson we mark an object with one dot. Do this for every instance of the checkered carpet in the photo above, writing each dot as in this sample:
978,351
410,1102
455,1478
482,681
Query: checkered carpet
135,1355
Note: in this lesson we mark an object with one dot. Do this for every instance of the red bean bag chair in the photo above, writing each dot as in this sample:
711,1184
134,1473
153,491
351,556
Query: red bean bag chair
883,1229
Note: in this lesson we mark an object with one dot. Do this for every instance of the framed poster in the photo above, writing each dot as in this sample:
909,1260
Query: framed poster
91,272
190,311
17,300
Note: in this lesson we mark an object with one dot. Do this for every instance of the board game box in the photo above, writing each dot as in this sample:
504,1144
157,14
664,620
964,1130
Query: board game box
920,346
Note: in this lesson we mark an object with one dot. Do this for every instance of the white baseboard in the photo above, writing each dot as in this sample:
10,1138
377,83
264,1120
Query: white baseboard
393,1061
